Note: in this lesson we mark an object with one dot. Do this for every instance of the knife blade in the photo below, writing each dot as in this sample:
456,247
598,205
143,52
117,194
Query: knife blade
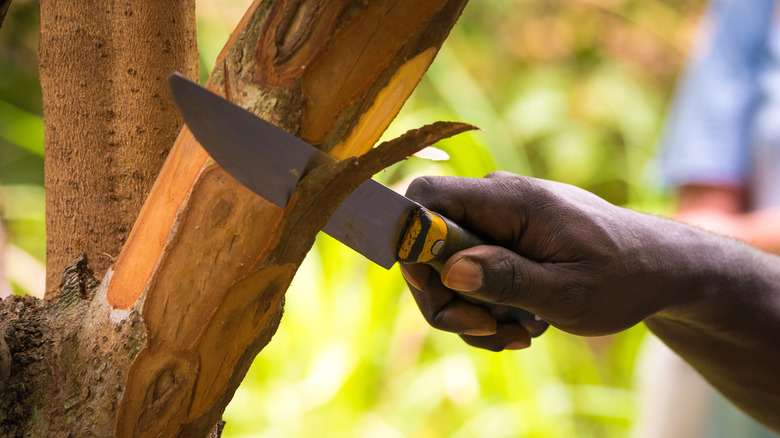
380,224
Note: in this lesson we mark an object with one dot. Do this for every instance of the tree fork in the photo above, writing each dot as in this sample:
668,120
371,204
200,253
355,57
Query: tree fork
198,287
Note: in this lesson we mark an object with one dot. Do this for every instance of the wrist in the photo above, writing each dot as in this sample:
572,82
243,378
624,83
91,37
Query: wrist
705,275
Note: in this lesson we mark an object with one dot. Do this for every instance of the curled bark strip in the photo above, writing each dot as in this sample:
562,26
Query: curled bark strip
393,151
320,192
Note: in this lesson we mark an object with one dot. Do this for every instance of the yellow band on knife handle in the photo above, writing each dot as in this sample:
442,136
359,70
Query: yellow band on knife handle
423,231
432,239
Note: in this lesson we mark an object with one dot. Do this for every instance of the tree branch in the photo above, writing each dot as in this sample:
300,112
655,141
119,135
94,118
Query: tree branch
4,4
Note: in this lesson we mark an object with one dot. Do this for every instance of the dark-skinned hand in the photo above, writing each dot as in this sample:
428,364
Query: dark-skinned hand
578,262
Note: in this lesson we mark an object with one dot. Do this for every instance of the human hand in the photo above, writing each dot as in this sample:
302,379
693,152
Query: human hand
590,268
581,264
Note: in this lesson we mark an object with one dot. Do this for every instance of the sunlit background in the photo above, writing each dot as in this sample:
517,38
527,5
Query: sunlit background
569,90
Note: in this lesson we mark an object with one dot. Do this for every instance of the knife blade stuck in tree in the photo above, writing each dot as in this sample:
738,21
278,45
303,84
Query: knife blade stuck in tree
374,220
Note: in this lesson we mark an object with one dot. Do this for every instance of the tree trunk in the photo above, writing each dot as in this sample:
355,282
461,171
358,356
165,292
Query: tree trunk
159,348
109,121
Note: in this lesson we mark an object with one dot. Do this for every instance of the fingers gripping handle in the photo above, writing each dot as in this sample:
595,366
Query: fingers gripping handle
432,239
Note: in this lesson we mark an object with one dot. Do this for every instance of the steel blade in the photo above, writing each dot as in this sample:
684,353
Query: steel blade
370,221
263,157
270,162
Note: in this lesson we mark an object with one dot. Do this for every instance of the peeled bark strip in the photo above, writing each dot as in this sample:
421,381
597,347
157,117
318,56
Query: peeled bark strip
109,118
320,193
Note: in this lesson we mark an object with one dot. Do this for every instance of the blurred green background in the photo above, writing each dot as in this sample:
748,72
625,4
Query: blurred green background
568,90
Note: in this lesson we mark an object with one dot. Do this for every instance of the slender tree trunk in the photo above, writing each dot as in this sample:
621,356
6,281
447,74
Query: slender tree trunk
160,346
109,118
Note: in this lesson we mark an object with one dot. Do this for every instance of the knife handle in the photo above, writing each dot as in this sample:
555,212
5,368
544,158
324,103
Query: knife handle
432,239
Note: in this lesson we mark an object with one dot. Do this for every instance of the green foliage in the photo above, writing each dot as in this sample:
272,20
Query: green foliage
568,90
21,148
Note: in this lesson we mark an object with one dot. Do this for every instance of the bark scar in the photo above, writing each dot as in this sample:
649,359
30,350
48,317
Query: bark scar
78,282
226,80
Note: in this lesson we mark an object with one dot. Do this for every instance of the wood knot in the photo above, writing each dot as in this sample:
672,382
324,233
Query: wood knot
78,282
167,393
221,212
159,392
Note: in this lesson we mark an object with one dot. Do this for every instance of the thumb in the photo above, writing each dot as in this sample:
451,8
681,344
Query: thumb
497,275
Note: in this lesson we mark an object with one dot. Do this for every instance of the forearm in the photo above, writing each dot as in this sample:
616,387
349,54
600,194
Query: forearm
590,268
726,321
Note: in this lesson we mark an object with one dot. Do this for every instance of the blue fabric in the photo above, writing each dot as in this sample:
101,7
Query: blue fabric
765,139
724,129
711,122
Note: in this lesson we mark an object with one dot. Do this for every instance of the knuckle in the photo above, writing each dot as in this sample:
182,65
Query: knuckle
515,282
517,190
434,317
421,187
499,174
437,320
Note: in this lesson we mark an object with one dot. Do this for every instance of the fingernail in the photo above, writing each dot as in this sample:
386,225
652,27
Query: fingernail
517,345
480,332
413,275
535,328
464,276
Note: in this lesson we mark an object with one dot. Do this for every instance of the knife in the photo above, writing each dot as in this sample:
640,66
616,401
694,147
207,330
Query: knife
374,220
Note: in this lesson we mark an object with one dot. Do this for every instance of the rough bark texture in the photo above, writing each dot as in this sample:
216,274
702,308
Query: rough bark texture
109,118
159,348
68,360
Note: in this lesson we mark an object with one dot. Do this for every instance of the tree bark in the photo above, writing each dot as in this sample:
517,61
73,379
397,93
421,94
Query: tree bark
109,119
4,4
159,348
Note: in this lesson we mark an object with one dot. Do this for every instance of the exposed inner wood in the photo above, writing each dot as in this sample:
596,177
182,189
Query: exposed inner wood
384,109
355,59
158,218
208,261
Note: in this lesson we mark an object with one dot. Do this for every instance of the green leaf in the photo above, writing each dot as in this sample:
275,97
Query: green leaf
21,128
